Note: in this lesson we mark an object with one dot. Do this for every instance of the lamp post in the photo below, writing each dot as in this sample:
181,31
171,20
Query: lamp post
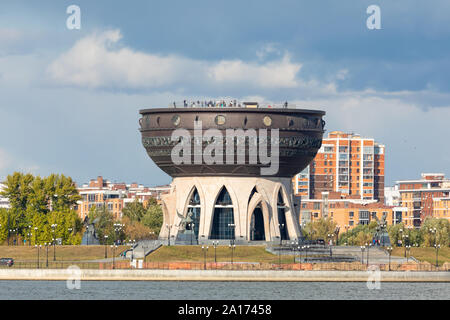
408,247
29,235
368,247
38,247
294,247
401,236
46,247
113,247
306,252
406,237
168,227
437,246
117,228
54,240
215,244
281,226
204,249
362,254
35,234
330,243
106,246
232,247
70,231
389,250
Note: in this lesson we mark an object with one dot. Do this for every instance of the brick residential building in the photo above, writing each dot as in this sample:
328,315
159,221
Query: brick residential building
425,197
346,163
114,196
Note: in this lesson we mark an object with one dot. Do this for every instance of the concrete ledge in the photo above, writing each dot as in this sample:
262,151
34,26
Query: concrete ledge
221,275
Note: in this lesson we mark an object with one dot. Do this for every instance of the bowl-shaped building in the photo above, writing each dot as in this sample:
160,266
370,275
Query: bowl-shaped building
232,169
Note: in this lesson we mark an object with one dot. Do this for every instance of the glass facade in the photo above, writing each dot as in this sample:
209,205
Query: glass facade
257,226
194,209
282,217
223,220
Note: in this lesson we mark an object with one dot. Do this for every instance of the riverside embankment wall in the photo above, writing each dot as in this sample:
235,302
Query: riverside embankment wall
222,275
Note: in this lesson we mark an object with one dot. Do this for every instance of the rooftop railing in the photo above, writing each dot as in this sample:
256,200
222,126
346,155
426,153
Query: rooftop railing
227,104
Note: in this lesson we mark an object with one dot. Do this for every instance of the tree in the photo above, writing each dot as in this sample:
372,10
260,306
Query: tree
61,191
153,217
442,234
135,230
18,188
320,229
104,224
134,210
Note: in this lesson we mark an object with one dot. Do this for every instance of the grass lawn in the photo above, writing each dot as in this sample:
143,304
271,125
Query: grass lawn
425,254
63,253
223,253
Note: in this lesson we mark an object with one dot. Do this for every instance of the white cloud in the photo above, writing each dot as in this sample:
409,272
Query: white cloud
97,61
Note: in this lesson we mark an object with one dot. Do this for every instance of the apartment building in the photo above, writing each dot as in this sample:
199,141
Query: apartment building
346,163
425,197
114,196
347,213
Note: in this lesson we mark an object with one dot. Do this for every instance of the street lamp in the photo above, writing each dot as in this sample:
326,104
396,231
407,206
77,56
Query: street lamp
368,247
46,247
29,235
215,244
306,256
294,247
106,250
113,247
117,228
232,246
35,234
281,226
204,249
437,246
408,247
362,254
389,250
54,240
38,247
168,227
406,237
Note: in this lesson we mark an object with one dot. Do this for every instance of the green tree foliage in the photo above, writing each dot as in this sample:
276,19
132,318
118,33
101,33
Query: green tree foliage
319,229
440,236
134,210
153,217
359,235
104,225
37,203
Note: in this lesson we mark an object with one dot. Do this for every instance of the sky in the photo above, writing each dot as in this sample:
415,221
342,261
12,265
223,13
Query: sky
70,98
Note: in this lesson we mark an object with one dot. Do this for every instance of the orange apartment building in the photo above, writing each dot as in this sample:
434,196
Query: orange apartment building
114,196
346,163
344,182
347,213
426,197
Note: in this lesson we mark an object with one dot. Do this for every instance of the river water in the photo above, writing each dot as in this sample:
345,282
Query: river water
192,290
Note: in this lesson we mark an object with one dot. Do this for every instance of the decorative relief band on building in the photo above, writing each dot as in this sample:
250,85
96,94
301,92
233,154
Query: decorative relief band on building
284,142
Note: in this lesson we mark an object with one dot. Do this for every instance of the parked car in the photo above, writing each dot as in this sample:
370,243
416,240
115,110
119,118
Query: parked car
6,262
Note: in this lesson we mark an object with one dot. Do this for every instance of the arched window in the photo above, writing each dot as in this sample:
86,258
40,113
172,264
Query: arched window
257,221
223,219
194,212
281,208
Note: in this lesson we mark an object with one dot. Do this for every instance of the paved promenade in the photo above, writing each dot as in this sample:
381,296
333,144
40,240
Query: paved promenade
222,275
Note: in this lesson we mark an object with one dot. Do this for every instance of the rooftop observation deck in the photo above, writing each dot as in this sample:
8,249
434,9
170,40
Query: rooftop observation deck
231,105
